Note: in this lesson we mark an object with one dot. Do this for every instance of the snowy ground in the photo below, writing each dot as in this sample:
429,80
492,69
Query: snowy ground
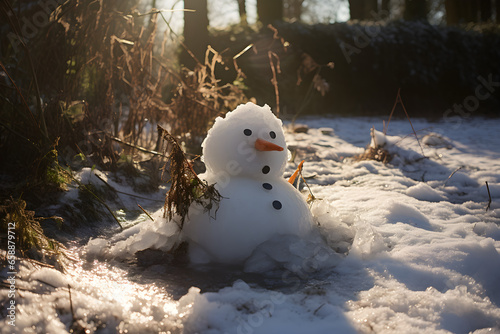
423,251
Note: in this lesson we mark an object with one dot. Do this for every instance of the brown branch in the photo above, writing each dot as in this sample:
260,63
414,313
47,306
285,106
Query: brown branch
186,187
147,213
142,149
274,80
456,170
400,100
84,187
184,46
386,126
71,303
489,195
122,192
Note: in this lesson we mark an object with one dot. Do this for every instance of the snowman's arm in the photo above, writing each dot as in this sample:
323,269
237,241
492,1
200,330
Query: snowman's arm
292,178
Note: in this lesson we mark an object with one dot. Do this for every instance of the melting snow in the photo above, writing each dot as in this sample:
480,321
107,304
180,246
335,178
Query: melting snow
406,247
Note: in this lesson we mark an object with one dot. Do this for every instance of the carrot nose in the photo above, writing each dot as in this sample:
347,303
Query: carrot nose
264,145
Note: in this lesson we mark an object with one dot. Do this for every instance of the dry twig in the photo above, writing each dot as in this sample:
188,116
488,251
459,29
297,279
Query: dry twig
453,173
275,69
400,100
147,213
489,195
71,303
186,187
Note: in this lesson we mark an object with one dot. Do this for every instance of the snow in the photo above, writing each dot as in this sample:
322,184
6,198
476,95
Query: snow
424,192
404,247
229,150
245,155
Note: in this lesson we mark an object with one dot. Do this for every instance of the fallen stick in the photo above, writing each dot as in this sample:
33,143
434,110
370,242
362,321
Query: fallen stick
489,195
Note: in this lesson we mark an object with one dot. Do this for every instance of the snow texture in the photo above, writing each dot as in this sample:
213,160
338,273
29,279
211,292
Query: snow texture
403,247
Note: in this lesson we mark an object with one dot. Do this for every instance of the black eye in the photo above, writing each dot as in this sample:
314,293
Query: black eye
272,134
247,132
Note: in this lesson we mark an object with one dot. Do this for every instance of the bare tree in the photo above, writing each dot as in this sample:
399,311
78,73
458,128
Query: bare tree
385,5
451,8
362,9
293,9
415,10
486,10
497,10
242,9
269,11
466,11
356,9
195,32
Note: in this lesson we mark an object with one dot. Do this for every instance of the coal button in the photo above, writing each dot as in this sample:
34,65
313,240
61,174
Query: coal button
267,186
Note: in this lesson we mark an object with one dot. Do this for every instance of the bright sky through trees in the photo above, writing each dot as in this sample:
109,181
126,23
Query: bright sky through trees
225,12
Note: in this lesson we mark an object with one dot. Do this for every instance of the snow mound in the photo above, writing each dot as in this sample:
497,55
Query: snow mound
368,242
322,248
159,234
338,231
395,146
293,253
407,214
50,276
423,192
242,309
436,140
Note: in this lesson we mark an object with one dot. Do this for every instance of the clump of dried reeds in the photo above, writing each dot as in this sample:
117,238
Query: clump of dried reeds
26,231
374,153
198,99
378,152
186,187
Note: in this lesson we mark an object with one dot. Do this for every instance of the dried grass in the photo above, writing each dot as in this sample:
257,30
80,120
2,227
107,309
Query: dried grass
377,154
30,240
199,99
186,187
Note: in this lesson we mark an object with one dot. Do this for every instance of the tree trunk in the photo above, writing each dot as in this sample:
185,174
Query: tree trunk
269,11
385,6
356,9
297,9
469,11
497,10
415,10
195,32
243,12
451,8
363,9
370,7
486,10
292,9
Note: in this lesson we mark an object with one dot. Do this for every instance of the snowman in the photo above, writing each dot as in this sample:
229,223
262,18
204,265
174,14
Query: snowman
245,156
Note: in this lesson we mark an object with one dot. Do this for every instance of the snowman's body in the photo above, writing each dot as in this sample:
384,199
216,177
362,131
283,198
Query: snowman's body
245,155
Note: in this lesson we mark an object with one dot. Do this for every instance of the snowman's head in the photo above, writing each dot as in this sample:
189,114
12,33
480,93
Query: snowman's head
248,142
